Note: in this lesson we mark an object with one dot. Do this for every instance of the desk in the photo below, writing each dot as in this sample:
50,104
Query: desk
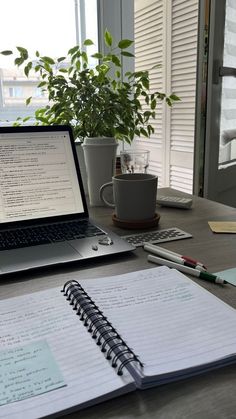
209,396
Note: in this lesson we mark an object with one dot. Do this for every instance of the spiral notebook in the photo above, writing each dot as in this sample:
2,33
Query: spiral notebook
175,329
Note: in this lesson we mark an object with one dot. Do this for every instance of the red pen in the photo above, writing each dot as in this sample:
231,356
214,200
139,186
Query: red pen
193,261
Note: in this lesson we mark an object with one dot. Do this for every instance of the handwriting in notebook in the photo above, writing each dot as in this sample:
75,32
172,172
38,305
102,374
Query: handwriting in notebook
181,322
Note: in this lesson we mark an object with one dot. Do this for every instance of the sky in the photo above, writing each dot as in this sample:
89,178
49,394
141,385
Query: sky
47,26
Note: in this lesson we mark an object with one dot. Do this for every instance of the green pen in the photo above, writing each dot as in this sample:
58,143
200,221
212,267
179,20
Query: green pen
194,272
212,278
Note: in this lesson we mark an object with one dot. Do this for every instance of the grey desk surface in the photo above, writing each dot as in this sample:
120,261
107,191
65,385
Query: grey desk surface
208,396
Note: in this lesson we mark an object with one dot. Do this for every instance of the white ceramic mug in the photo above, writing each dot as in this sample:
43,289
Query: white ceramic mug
134,196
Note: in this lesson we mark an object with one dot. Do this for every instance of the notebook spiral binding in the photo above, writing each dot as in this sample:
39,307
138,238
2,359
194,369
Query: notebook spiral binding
106,336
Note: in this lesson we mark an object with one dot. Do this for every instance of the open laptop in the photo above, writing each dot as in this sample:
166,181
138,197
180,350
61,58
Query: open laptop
44,218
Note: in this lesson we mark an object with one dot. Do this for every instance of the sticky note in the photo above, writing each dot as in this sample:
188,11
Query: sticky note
27,371
229,275
223,226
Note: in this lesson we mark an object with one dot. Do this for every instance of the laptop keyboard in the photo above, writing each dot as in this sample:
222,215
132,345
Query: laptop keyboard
44,234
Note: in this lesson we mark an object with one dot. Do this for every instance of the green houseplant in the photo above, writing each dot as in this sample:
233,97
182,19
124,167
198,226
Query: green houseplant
97,102
94,101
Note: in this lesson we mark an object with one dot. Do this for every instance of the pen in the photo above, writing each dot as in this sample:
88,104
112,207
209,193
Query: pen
171,256
194,272
191,260
187,258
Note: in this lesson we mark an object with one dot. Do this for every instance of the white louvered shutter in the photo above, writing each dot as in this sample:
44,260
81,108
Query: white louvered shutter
166,34
148,29
228,97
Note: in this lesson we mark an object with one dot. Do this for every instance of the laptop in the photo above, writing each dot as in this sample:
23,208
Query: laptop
44,217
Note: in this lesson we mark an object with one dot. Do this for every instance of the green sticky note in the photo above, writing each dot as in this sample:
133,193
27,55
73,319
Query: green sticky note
229,275
26,371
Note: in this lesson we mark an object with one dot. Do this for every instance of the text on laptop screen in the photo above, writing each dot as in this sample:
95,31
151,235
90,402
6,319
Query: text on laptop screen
38,176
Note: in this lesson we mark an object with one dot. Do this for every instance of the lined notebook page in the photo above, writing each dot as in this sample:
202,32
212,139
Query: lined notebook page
48,316
167,319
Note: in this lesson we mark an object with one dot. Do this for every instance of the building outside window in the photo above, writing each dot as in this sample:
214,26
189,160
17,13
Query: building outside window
51,27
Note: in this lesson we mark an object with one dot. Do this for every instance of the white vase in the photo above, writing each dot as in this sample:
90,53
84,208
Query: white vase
100,162
80,155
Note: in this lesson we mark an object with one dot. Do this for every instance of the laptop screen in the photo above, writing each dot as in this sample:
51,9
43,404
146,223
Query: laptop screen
38,176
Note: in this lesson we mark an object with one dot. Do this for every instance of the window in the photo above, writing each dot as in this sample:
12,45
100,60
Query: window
227,151
52,27
15,91
37,92
165,32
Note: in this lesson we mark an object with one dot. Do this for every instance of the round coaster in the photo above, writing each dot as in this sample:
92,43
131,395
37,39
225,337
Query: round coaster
137,223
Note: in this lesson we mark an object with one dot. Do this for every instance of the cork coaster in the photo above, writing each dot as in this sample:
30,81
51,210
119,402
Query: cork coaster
137,223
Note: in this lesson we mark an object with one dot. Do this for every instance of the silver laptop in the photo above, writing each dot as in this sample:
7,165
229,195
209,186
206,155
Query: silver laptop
44,217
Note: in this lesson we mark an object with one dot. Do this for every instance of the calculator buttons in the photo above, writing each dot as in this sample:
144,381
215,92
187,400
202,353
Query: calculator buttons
158,236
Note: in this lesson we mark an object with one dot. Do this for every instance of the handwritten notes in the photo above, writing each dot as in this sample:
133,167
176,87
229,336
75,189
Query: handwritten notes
47,316
169,321
26,371
140,290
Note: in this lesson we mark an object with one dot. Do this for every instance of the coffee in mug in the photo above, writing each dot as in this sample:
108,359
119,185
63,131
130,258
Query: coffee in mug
134,196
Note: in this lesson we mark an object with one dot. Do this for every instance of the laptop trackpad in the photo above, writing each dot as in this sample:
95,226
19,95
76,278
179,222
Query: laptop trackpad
30,257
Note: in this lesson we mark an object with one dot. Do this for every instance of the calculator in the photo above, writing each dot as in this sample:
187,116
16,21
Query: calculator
174,201
157,236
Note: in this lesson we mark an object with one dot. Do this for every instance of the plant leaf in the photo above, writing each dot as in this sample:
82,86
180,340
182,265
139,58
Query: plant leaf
153,104
6,52
28,100
47,67
116,60
145,83
125,43
84,56
174,97
97,55
88,42
42,83
144,132
127,54
48,60
73,50
168,101
118,74
27,118
23,52
150,130
28,68
108,38
18,61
